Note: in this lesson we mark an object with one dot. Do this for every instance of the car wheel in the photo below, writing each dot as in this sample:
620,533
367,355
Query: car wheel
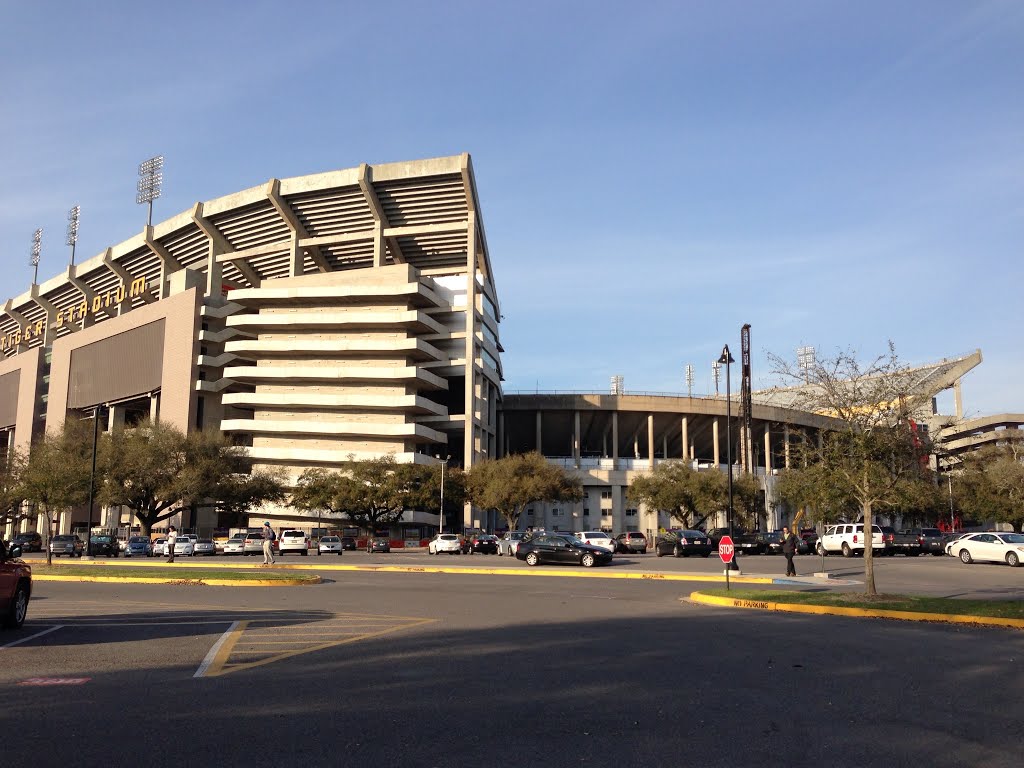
677,552
1012,560
19,608
659,553
847,552
965,557
305,552
587,561
707,554
532,559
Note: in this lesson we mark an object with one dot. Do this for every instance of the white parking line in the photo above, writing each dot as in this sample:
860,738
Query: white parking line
212,655
32,637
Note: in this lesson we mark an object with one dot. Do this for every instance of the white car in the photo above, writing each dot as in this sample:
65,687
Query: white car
293,541
597,539
205,547
445,542
991,546
235,545
849,539
184,545
158,547
329,544
509,543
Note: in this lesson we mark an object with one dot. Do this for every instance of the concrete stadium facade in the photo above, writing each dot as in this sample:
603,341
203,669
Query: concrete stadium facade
350,313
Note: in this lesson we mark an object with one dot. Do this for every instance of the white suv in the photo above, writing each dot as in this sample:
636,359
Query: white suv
293,541
849,538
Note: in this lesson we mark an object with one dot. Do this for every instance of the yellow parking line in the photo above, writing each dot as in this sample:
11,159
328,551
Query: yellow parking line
213,665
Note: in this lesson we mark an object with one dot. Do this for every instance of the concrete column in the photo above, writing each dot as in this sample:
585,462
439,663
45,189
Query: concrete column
539,434
785,444
958,400
767,449
664,446
615,439
576,437
115,418
650,439
154,406
686,438
714,441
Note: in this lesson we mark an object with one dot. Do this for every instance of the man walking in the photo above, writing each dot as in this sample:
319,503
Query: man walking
789,545
268,544
172,537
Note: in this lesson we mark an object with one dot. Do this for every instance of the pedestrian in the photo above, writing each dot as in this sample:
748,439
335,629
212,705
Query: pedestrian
172,536
268,544
789,545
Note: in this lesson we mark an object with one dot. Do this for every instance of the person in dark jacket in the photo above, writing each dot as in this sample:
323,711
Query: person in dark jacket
789,544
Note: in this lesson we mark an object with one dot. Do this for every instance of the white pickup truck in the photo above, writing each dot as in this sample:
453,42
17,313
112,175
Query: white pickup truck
848,538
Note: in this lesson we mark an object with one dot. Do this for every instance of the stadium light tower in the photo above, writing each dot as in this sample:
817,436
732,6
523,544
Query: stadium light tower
689,380
151,177
37,249
805,360
73,216
716,372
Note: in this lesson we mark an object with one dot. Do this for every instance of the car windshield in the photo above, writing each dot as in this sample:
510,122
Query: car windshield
206,541
138,540
101,539
571,539
690,534
62,537
448,537
595,535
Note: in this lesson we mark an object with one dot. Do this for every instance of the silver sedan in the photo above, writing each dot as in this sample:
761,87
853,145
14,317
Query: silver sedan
329,545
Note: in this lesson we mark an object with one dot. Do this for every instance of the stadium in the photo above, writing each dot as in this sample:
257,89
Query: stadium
355,313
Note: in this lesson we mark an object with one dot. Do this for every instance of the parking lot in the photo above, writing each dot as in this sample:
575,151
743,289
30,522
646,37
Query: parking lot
439,669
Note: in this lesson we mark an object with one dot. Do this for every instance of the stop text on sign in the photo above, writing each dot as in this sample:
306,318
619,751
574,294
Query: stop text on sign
726,550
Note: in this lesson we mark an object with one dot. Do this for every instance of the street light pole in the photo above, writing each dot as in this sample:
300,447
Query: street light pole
92,478
727,359
440,513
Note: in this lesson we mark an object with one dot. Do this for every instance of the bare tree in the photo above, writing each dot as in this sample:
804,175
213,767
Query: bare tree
873,458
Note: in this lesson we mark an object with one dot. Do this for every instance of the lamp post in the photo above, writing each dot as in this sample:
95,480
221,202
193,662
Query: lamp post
92,479
726,359
440,512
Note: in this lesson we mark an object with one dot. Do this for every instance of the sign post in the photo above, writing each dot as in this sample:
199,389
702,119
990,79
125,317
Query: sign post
726,550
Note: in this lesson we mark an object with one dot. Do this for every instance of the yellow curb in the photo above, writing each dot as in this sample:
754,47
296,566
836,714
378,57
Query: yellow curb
198,582
827,610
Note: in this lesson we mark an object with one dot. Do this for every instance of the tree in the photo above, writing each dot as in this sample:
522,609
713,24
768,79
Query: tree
154,469
56,475
871,457
512,482
12,496
991,484
681,491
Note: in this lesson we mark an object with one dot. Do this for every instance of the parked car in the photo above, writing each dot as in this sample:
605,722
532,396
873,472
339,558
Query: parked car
293,541
158,547
991,547
849,539
597,539
772,541
509,542
235,545
809,536
253,543
329,545
682,543
378,544
484,543
29,541
349,542
447,543
138,546
900,542
631,542
561,549
743,543
205,547
932,540
66,544
15,586
952,539
183,545
101,544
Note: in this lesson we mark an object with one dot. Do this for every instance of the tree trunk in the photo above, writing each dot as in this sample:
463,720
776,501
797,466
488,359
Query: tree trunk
869,559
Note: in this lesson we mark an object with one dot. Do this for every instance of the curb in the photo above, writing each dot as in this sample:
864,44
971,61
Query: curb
203,582
825,610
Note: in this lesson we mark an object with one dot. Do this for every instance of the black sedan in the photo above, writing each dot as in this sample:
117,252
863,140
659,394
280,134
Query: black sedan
561,550
485,543
682,543
349,543
104,545
29,541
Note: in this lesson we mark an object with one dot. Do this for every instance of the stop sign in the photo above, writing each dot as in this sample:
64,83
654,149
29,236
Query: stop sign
726,549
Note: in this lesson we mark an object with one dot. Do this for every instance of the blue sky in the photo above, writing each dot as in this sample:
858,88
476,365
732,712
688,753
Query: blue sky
652,174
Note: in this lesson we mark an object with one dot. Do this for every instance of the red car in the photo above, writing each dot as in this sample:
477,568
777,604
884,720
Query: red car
15,586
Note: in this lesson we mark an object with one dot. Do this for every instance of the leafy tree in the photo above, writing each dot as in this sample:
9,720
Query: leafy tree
325,493
991,484
422,488
871,458
12,496
55,476
512,482
154,469
691,497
